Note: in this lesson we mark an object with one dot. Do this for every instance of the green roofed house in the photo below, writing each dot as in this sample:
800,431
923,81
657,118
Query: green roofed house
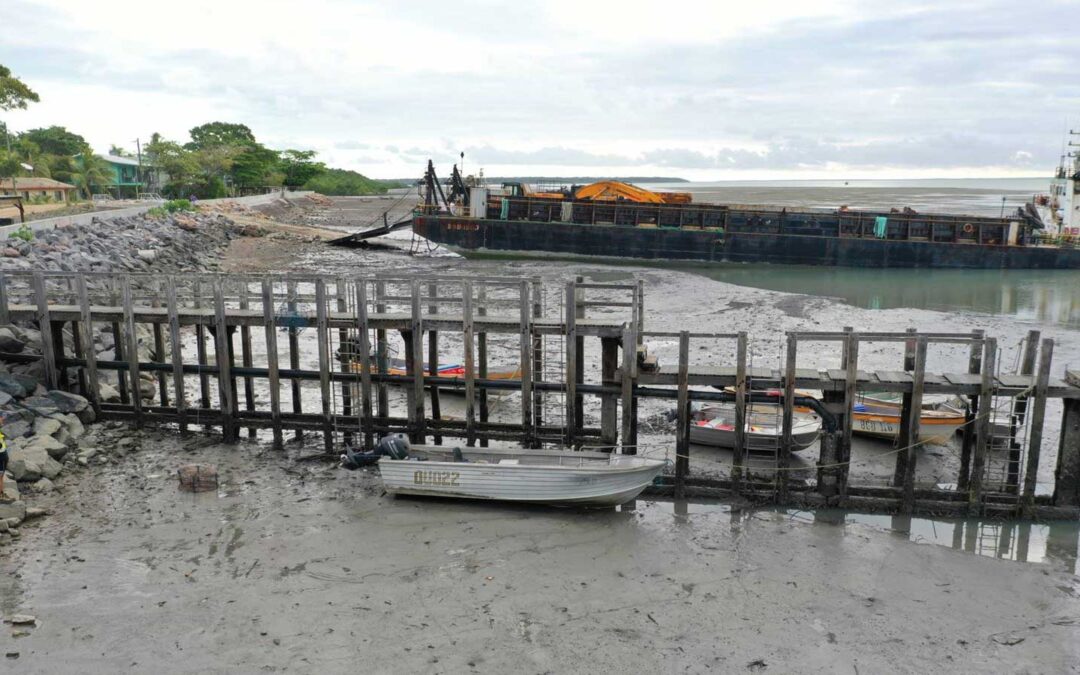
125,180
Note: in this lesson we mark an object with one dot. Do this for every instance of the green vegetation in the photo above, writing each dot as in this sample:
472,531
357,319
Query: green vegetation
157,212
174,205
222,159
342,182
24,232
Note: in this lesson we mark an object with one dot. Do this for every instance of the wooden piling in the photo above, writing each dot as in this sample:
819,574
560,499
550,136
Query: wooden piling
292,308
783,459
5,318
1019,416
414,346
273,374
44,324
982,424
345,356
470,363
538,354
132,348
246,359
481,353
900,468
682,432
914,419
200,350
738,456
433,361
609,365
579,360
227,403
86,331
367,421
322,328
970,427
1035,427
176,352
629,361
381,355
571,364
525,346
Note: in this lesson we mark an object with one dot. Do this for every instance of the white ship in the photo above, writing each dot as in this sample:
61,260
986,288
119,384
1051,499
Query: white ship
1060,209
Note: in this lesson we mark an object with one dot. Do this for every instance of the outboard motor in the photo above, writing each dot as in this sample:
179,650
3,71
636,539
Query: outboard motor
394,446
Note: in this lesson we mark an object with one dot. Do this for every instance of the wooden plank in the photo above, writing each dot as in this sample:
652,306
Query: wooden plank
44,324
738,460
1015,381
525,340
807,374
963,379
325,394
893,377
967,442
913,421
86,329
292,307
469,341
1067,472
367,420
629,412
982,432
132,349
1035,423
176,353
783,459
934,379
221,354
273,379
682,430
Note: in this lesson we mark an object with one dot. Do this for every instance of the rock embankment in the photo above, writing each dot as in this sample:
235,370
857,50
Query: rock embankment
46,431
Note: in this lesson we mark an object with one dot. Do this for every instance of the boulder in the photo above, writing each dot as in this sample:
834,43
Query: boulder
72,425
5,398
9,343
108,393
55,448
46,426
13,511
11,487
43,485
68,403
16,428
41,405
10,385
29,463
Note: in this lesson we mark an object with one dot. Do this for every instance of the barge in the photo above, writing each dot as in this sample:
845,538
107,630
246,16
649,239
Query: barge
629,222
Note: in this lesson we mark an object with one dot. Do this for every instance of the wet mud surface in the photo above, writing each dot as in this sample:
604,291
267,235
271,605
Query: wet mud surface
297,566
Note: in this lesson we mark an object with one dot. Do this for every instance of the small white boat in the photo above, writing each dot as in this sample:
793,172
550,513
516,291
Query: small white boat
888,402
715,425
528,476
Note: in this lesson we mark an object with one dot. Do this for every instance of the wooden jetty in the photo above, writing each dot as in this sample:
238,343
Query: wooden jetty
302,366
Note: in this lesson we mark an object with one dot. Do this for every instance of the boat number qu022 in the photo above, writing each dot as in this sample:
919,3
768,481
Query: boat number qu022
445,478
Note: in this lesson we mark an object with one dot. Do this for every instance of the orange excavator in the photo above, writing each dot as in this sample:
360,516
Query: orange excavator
602,191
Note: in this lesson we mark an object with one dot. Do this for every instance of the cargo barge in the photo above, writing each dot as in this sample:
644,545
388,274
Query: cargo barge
622,221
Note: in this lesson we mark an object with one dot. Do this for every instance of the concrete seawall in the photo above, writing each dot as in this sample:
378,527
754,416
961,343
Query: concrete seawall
45,224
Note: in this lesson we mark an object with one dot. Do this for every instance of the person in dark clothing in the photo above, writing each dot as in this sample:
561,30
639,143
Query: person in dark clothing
3,467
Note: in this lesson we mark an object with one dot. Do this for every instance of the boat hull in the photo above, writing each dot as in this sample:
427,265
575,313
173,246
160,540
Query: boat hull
931,430
525,237
619,480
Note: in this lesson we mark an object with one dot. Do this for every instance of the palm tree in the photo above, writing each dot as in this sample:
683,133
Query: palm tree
90,171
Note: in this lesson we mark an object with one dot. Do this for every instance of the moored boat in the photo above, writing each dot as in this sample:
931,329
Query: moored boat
715,425
555,477
935,426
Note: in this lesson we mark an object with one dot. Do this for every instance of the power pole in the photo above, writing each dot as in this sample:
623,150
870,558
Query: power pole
138,169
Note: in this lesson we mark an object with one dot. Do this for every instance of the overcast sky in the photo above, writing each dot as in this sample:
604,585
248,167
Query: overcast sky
709,90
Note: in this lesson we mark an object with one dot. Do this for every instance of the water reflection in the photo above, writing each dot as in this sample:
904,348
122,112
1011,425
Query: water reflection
1050,296
1022,541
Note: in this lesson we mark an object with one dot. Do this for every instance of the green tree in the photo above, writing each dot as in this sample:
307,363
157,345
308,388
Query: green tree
117,151
298,166
220,133
56,140
13,93
178,164
254,166
344,182
91,171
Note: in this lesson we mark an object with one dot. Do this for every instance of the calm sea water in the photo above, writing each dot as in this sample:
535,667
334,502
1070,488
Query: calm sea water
1043,296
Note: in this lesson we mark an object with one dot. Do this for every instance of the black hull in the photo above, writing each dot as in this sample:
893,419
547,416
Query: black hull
651,243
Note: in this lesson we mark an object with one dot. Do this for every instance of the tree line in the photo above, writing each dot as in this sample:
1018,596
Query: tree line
221,159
